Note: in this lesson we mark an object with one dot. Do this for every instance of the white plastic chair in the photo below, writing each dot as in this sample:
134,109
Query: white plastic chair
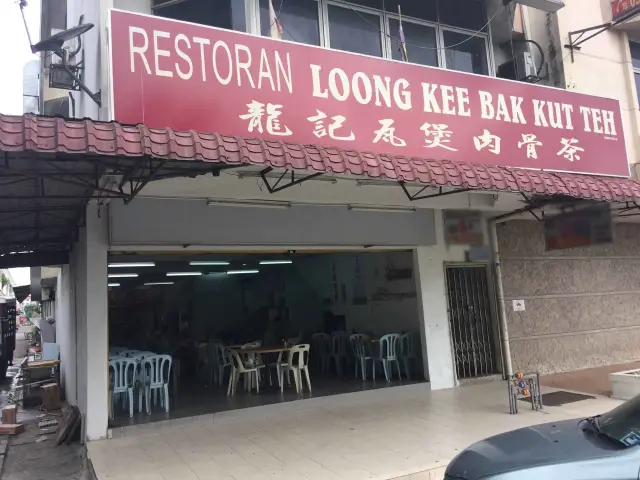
252,360
387,355
339,349
238,368
123,376
156,371
298,363
359,343
409,351
221,362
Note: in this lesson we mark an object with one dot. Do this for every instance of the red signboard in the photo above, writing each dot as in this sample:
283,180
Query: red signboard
624,9
167,73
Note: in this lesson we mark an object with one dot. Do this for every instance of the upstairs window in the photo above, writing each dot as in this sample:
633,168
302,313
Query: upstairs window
229,14
635,61
452,34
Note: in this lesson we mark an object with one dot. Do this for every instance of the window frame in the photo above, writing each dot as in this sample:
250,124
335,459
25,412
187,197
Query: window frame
425,23
252,20
487,43
635,70
326,42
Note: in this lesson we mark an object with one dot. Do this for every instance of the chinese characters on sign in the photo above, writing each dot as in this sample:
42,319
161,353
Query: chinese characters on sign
199,78
436,135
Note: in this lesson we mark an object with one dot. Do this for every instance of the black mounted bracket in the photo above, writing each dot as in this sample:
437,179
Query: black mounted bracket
417,196
577,37
292,180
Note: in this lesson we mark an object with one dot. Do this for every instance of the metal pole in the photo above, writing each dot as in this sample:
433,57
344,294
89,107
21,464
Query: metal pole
502,311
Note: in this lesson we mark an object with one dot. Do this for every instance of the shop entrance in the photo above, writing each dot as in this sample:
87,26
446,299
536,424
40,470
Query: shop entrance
471,321
195,309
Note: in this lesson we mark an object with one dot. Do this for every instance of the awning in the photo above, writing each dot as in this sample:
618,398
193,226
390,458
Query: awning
50,168
55,136
54,163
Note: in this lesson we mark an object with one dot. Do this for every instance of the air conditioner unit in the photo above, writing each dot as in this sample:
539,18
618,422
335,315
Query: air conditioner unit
521,68
550,6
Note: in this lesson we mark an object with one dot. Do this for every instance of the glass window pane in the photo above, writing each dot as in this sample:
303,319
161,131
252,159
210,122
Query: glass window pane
299,20
469,14
421,42
227,14
637,78
470,56
635,53
354,31
420,9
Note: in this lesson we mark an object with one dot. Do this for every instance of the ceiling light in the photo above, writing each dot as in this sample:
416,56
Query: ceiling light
159,283
241,272
249,203
132,265
113,284
122,275
183,274
212,264
371,208
275,262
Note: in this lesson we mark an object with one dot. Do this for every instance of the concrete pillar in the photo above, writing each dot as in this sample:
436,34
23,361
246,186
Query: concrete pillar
92,321
66,332
437,350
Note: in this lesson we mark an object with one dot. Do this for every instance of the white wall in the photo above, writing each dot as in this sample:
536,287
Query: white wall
430,263
66,332
178,222
89,264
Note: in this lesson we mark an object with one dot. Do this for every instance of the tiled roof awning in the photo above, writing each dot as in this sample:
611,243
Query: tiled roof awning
56,136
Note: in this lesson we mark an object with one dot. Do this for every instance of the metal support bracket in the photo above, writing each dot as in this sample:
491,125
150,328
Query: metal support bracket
631,209
416,196
292,179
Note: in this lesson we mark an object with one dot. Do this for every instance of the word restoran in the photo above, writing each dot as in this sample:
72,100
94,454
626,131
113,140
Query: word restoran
163,54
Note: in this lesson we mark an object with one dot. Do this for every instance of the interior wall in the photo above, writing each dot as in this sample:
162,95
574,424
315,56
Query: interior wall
359,290
581,304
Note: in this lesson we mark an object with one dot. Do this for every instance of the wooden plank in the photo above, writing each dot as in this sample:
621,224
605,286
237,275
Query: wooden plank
10,415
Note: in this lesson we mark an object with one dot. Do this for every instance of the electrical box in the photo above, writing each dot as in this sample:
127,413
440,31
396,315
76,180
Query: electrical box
550,6
521,68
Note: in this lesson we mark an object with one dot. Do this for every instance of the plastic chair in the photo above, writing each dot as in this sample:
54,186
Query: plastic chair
322,350
297,362
156,371
359,343
388,355
221,362
339,349
122,372
408,351
253,359
238,368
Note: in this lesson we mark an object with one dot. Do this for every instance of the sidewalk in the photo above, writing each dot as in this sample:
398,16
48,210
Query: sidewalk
405,432
24,457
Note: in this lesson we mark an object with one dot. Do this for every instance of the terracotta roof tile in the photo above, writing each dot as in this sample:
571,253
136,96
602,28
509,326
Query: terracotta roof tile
56,135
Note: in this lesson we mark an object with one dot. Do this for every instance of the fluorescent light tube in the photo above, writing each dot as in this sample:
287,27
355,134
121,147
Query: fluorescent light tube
208,263
241,272
249,203
159,283
183,274
122,275
113,284
132,265
275,262
366,208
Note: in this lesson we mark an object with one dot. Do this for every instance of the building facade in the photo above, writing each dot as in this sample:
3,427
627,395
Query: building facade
578,302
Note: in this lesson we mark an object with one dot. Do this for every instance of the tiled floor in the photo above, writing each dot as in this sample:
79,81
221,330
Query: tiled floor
190,402
405,432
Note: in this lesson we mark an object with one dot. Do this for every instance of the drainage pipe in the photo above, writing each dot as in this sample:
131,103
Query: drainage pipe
502,312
